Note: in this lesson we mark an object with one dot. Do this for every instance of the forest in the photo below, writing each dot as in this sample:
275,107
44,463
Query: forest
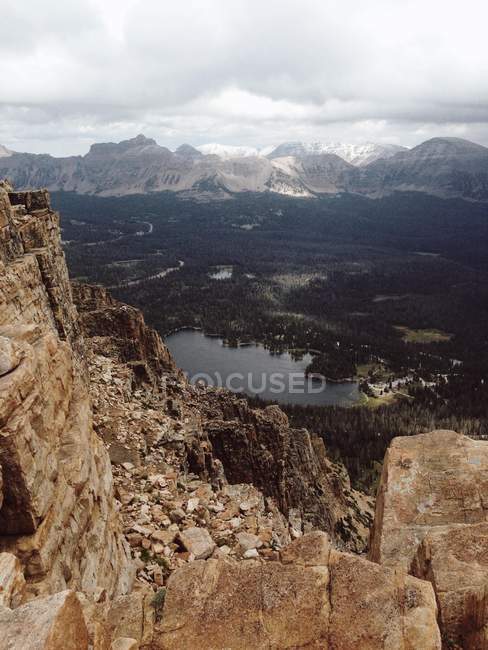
359,436
377,289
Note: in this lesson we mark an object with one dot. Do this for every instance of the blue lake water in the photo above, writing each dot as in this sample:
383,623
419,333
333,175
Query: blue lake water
256,371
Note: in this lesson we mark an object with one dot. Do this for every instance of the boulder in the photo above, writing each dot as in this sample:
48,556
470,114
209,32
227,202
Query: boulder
132,616
429,480
52,623
124,621
218,604
376,607
431,519
311,550
198,542
248,541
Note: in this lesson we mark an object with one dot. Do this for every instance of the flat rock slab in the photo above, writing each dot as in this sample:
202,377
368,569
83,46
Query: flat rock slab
53,623
315,597
429,480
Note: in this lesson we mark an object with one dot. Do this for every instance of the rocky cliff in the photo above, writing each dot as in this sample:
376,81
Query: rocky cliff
207,442
432,520
138,511
58,514
197,472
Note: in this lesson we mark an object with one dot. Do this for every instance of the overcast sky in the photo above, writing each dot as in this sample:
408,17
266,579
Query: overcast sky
253,72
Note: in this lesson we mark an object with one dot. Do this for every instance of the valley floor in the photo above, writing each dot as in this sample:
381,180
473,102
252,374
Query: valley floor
392,291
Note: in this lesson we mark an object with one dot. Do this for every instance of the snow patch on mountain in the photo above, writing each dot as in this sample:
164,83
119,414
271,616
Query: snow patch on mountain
363,154
227,151
4,152
355,154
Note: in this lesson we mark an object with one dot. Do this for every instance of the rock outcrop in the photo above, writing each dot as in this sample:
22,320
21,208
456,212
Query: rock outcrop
133,343
211,434
290,465
58,515
432,519
315,597
429,480
50,623
455,560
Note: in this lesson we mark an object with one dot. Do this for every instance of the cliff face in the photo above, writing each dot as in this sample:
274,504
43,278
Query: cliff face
290,465
57,509
221,436
432,521
429,480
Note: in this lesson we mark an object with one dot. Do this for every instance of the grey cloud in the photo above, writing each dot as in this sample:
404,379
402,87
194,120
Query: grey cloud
245,71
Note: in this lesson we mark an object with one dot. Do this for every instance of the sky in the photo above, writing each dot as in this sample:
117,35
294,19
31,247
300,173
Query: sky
243,72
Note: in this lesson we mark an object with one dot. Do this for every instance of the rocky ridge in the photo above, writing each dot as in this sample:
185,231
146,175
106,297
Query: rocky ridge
75,384
57,493
195,467
432,520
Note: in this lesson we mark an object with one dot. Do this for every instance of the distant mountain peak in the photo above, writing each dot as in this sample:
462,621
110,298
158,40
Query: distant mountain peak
139,141
188,151
355,154
450,145
139,144
226,151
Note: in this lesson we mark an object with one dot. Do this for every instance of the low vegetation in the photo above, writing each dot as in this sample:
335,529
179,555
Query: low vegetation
423,336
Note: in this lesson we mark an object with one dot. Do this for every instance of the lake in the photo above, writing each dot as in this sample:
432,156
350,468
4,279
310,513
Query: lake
256,371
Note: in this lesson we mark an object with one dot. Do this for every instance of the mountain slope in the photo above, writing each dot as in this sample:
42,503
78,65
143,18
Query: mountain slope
355,154
445,167
141,166
227,151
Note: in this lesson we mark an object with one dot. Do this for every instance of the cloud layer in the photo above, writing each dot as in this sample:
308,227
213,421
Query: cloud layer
253,72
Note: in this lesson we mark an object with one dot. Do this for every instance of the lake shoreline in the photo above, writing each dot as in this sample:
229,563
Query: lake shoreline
255,370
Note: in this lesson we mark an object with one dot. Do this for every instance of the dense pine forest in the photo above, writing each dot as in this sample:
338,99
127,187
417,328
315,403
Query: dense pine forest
360,436
380,290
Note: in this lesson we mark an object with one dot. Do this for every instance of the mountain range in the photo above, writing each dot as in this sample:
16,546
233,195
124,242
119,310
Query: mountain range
445,167
356,154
